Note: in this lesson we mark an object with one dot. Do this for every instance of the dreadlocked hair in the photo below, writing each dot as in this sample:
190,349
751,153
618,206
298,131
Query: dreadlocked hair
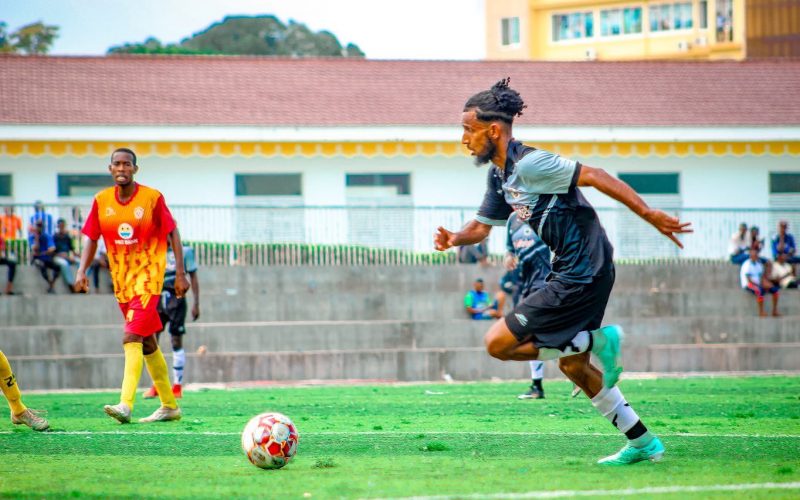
500,102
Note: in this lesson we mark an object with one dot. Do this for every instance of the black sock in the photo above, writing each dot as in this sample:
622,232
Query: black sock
636,431
537,384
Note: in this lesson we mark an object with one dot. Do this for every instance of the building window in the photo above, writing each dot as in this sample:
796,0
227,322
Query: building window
269,185
5,185
82,185
671,16
510,30
378,184
660,183
702,14
784,182
615,22
573,26
724,20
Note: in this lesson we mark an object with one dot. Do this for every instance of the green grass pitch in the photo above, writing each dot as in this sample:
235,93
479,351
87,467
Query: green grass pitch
455,441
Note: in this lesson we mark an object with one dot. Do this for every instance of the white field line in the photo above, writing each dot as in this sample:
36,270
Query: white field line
412,433
651,490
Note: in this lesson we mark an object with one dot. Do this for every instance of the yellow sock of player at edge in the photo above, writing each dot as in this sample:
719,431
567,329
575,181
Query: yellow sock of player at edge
157,367
9,386
133,372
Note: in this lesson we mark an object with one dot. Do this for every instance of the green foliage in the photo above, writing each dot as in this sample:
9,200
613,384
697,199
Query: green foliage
250,35
34,38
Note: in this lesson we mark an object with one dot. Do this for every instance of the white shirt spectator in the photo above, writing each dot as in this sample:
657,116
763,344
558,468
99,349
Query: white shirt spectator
753,270
782,272
739,243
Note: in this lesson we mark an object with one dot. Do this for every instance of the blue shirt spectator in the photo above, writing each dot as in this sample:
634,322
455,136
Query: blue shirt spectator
42,244
479,304
39,215
783,243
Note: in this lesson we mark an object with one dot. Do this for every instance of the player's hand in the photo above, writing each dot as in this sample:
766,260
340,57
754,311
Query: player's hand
81,283
510,262
195,311
443,239
181,285
668,225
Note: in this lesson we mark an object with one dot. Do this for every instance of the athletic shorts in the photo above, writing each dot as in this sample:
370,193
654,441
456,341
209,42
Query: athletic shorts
172,310
553,315
141,316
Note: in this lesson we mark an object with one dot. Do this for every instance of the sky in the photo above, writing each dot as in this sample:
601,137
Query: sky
410,29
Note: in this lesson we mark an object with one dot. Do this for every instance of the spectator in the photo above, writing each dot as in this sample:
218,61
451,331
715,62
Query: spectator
65,255
739,246
10,225
472,254
43,248
100,262
781,273
479,304
757,242
783,244
6,259
77,222
752,279
39,215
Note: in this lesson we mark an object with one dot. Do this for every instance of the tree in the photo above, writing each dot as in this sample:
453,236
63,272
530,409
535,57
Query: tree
250,35
34,38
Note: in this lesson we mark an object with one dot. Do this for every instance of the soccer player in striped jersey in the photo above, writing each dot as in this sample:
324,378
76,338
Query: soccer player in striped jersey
563,319
135,224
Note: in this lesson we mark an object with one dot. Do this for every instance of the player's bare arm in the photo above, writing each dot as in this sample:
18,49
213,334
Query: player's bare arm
666,224
473,232
87,256
181,283
195,295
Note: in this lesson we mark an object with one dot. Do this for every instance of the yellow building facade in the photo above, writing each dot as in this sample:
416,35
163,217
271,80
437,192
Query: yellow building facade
575,30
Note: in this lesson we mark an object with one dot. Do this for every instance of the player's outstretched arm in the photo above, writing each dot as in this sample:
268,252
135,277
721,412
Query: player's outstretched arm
666,224
87,256
473,232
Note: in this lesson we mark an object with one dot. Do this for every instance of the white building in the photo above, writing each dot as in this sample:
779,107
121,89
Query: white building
329,135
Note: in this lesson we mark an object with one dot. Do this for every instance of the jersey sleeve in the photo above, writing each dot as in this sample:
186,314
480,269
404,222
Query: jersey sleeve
468,300
494,210
91,227
544,172
163,217
189,263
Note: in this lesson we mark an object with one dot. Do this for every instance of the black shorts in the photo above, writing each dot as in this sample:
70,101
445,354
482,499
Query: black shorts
551,316
172,310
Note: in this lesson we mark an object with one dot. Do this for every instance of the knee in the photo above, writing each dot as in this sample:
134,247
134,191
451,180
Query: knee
572,366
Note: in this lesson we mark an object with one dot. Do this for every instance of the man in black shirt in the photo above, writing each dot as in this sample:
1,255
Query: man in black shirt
563,319
65,255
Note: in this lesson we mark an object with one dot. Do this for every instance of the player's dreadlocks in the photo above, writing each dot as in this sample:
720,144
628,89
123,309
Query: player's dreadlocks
500,102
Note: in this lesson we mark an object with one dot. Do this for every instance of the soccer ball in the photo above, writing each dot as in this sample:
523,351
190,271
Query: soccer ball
270,440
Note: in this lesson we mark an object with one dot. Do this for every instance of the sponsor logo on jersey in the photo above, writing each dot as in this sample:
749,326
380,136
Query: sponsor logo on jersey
125,231
524,212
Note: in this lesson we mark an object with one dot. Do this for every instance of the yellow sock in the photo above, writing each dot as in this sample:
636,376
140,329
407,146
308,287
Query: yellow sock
157,368
9,385
133,372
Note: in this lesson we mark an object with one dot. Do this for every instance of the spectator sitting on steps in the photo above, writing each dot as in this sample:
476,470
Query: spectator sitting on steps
65,255
757,242
753,279
782,273
738,249
43,248
783,244
479,304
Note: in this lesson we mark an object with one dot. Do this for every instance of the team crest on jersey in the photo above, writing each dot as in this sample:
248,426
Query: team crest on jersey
125,231
138,212
110,212
523,212
515,193
527,231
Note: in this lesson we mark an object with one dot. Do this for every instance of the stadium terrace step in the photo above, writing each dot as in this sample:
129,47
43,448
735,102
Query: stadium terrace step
412,279
103,371
379,304
302,336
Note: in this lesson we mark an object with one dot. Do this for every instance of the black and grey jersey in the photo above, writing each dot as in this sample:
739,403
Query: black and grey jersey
541,187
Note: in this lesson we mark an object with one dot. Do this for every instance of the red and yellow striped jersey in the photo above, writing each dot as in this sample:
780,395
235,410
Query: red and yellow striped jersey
135,233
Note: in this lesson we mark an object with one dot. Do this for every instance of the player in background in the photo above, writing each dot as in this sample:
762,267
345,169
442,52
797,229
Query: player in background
20,414
563,319
135,224
172,310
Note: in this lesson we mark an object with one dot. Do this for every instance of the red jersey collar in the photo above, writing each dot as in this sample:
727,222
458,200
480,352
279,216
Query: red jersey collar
135,192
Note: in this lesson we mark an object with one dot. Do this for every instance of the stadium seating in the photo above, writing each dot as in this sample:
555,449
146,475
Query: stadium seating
389,323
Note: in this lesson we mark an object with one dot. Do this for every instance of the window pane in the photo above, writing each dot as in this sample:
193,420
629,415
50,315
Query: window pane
504,31
666,17
82,184
588,21
688,20
605,22
5,184
269,185
655,18
653,183
703,13
400,182
633,20
514,30
784,182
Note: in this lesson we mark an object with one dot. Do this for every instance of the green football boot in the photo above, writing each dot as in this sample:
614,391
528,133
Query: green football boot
606,345
628,455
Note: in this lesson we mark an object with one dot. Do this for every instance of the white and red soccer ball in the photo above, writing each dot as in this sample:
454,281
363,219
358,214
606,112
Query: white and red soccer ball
270,440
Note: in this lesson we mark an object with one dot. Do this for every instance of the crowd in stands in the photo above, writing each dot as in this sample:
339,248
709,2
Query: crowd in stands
52,246
759,275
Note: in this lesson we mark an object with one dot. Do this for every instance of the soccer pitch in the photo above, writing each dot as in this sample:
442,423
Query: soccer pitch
725,437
